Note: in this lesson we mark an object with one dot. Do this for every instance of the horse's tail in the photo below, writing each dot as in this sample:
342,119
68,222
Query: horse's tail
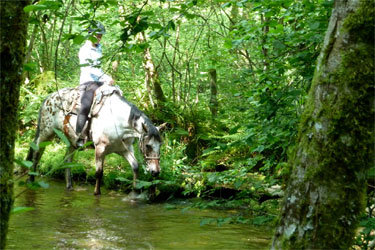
37,133
30,154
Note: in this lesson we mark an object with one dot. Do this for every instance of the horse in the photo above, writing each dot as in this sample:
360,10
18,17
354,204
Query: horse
114,125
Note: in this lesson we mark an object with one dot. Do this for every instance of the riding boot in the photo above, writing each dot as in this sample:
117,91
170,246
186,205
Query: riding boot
87,95
80,130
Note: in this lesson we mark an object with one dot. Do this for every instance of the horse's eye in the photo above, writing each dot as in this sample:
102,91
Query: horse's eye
149,147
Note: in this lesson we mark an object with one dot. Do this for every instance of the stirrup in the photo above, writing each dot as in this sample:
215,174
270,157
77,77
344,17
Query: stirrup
80,142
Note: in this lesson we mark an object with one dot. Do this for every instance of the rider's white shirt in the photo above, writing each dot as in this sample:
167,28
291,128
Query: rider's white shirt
89,58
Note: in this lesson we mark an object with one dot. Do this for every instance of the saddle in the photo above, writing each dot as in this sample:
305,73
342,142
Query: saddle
71,102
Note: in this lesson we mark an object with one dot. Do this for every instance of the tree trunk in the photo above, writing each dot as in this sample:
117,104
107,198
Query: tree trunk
335,147
213,86
266,29
31,43
176,47
152,78
12,53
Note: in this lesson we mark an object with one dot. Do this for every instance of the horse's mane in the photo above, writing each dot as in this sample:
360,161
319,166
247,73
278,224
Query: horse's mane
135,114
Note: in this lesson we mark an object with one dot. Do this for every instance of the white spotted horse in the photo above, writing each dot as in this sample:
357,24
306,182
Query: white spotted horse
114,125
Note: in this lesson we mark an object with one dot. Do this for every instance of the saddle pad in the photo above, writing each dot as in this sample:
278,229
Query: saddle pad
106,90
70,98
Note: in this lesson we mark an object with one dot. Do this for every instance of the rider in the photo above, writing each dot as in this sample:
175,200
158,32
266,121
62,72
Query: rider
92,76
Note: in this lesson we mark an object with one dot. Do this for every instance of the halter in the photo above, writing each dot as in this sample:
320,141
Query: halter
142,147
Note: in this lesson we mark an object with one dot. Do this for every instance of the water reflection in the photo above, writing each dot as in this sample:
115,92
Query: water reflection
79,220
30,198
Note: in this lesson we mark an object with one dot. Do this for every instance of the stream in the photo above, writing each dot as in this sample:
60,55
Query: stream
79,220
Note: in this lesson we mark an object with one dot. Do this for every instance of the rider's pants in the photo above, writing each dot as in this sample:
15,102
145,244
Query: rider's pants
87,95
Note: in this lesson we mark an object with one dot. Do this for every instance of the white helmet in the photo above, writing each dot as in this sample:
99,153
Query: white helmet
97,27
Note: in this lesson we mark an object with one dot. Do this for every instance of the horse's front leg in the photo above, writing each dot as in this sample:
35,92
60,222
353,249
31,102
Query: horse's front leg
99,158
68,175
129,156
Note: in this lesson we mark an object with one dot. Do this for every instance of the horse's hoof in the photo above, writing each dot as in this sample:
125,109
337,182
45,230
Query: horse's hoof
69,189
97,193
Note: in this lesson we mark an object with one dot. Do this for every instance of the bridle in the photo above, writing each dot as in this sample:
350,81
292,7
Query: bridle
142,147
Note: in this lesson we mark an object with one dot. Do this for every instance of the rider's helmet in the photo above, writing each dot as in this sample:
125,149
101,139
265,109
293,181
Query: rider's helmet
97,27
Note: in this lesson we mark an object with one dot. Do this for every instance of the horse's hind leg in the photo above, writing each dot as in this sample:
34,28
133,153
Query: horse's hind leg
68,176
99,158
34,156
44,132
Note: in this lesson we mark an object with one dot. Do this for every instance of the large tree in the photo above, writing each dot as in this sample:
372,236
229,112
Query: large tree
13,33
325,192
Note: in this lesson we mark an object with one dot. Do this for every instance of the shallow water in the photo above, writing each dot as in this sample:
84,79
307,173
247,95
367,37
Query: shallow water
79,220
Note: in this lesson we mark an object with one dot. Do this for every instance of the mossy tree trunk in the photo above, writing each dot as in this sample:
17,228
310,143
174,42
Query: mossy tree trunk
13,33
325,192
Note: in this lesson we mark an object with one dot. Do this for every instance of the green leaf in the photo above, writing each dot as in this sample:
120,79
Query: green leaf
34,173
26,164
22,183
43,5
190,15
68,37
123,179
180,131
278,45
238,184
228,44
29,8
52,5
314,25
78,39
226,5
148,13
34,146
33,20
31,66
62,136
153,34
88,144
112,2
93,39
44,144
17,210
143,184
155,182
171,25
371,173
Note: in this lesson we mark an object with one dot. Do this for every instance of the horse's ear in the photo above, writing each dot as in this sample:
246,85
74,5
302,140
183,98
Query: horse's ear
144,128
162,126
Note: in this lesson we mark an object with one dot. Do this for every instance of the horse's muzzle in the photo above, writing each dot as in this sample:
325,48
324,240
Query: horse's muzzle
155,173
153,167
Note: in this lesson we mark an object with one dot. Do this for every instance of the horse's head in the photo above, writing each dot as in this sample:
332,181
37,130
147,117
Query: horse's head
150,143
